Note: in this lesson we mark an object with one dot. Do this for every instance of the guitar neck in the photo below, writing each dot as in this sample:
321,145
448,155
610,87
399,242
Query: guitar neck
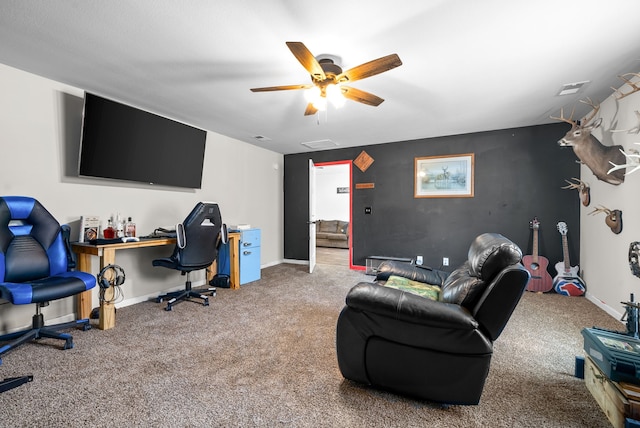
535,246
565,253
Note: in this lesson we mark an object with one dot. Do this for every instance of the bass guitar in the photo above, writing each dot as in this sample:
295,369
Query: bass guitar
541,280
567,282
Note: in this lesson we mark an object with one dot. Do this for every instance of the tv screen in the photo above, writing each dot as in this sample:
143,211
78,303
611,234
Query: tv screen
125,143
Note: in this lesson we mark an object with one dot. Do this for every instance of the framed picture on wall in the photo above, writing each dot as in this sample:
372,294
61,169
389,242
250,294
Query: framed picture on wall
448,176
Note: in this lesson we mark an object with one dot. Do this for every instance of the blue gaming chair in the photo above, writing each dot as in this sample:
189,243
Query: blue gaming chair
35,267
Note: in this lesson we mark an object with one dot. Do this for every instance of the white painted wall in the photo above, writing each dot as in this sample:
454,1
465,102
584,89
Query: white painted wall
331,205
40,123
603,254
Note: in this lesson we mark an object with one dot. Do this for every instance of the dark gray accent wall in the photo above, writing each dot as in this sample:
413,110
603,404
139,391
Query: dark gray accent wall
518,175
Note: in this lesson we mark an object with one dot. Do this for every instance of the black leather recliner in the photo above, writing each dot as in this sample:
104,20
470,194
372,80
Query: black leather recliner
436,350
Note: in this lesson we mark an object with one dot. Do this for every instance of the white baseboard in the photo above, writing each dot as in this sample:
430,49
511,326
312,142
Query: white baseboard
274,263
296,262
602,305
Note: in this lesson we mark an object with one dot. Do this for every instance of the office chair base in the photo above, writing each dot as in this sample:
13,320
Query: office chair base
39,331
179,296
14,382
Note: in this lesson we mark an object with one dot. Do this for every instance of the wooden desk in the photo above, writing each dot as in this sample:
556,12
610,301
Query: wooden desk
107,254
234,259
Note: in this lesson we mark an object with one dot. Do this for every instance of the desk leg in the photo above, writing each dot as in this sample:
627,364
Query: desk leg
107,310
83,300
211,271
234,259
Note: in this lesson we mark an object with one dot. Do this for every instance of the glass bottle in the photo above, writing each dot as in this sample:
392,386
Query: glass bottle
119,227
109,232
130,228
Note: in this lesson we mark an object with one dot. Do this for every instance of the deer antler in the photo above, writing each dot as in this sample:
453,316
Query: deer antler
594,106
633,160
564,119
575,186
600,209
634,86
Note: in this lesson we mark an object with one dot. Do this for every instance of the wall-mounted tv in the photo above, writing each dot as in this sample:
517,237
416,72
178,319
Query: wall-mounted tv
125,143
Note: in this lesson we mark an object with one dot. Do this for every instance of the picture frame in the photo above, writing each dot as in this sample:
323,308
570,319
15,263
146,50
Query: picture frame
448,176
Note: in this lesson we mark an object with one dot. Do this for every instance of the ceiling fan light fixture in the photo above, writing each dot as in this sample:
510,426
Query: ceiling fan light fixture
320,104
334,93
314,96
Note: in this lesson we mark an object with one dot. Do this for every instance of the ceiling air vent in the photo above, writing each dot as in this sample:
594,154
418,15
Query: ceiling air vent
572,88
261,138
320,144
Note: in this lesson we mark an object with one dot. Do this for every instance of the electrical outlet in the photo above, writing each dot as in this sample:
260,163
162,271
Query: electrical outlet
445,261
418,260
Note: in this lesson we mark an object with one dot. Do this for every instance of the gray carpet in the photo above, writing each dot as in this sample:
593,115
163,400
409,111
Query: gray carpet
264,356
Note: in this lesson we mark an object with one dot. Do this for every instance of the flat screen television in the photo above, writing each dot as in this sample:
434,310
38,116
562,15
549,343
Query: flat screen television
125,143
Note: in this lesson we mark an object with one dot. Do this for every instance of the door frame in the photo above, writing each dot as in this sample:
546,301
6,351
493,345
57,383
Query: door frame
350,163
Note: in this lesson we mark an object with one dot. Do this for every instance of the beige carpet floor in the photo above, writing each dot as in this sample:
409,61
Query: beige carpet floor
264,356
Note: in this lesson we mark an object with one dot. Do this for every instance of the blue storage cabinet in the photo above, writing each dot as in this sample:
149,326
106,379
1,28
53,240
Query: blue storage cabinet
249,255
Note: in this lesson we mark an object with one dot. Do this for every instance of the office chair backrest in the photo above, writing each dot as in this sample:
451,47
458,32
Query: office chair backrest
31,242
198,236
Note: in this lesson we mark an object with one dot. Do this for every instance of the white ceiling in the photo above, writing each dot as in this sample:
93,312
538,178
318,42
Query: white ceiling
468,66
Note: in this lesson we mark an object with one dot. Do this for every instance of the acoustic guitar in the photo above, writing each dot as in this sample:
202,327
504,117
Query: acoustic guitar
567,282
541,280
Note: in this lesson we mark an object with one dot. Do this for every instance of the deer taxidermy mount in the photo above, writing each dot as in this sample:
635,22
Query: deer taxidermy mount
613,219
327,78
596,156
584,191
632,159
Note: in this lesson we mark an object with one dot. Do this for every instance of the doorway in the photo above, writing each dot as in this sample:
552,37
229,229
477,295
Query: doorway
332,193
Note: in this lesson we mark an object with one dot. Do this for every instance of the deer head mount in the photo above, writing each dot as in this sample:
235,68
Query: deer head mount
584,191
632,161
613,219
589,150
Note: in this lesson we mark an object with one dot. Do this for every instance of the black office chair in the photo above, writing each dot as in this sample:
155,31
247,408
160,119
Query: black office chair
198,240
36,265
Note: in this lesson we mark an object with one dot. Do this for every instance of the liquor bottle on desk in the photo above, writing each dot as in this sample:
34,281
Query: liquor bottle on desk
130,228
119,227
109,232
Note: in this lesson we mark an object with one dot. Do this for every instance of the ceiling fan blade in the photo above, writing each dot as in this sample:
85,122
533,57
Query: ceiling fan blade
306,58
361,96
370,68
310,110
282,88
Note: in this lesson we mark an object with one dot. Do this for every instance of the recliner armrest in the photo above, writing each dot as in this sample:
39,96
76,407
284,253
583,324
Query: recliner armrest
404,306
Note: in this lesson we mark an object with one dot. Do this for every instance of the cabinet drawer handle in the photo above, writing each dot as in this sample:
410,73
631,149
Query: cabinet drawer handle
246,253
247,244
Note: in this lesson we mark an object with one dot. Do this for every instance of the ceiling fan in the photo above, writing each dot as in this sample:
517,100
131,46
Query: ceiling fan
329,80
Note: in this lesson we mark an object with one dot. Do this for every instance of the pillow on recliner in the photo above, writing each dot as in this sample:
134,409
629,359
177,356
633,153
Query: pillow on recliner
422,289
